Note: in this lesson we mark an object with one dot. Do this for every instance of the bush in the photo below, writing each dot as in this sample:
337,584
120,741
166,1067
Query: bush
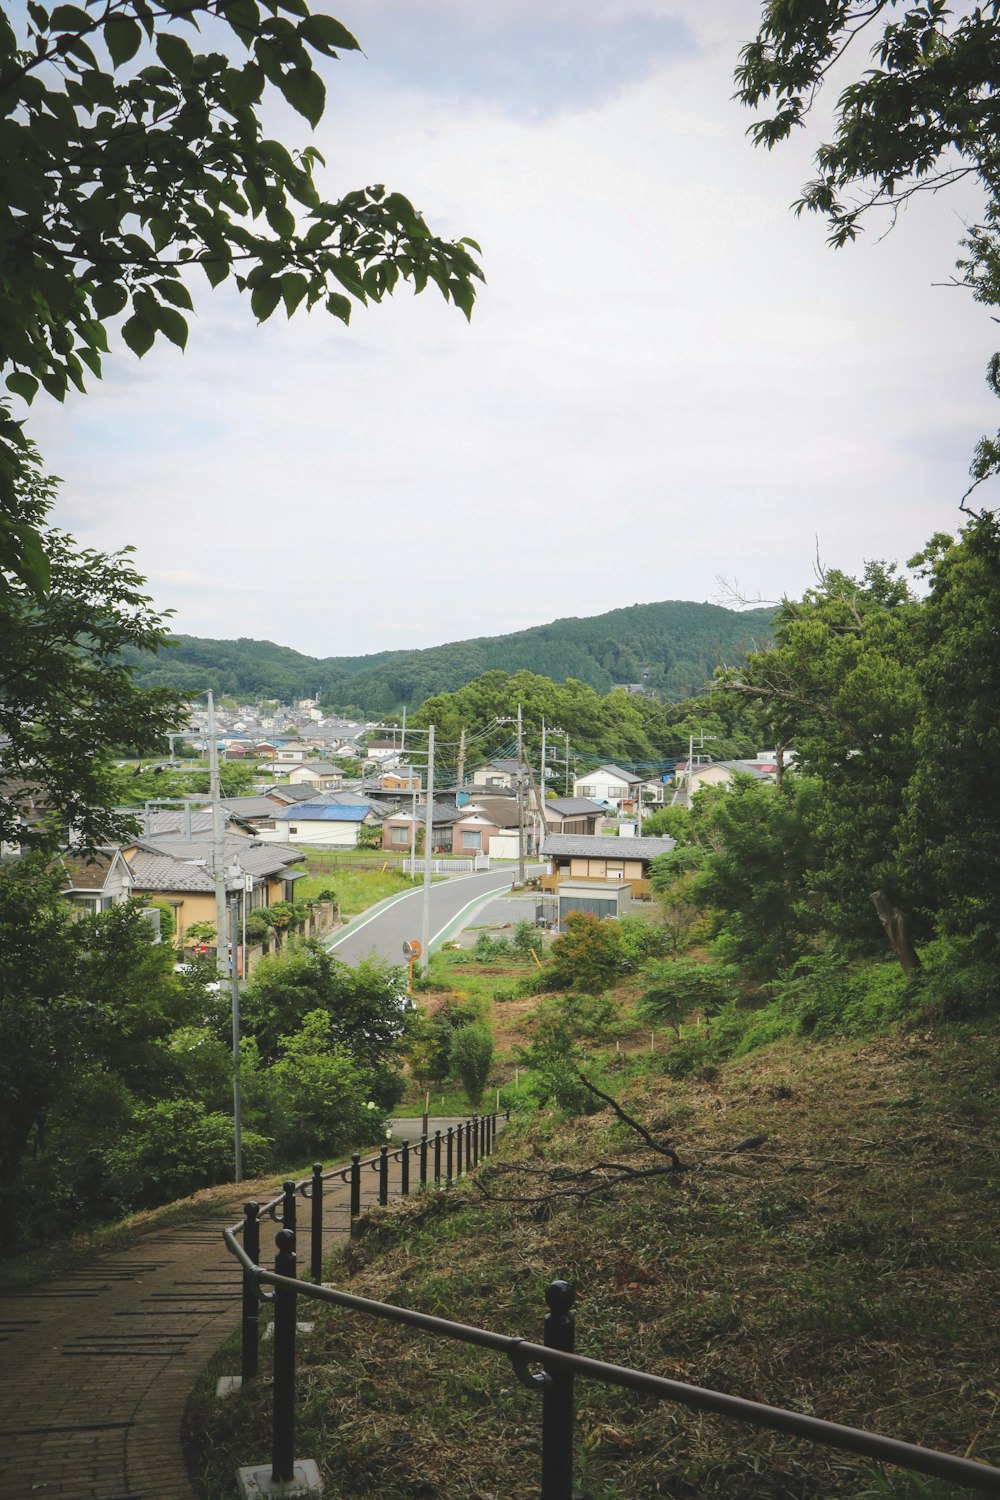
527,940
677,987
257,928
488,950
587,956
174,1147
472,1058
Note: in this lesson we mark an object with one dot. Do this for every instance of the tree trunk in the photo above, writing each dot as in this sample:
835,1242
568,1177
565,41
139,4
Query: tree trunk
897,931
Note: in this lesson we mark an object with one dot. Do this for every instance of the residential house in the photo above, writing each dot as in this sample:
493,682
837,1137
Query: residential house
178,871
595,858
318,774
573,815
402,779
497,775
98,883
611,785
323,823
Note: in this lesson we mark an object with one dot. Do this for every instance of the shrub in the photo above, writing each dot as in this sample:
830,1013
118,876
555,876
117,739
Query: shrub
676,987
472,1058
174,1147
527,940
587,956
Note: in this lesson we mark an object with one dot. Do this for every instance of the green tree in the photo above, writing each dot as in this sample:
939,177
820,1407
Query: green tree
361,1002
129,159
66,695
757,879
952,824
319,1094
586,956
471,1056
86,1011
840,683
920,117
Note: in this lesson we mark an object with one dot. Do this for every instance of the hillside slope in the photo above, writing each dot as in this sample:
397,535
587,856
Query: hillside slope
827,1248
673,646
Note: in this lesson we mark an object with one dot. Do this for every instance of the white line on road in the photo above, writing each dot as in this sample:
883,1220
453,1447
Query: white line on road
384,906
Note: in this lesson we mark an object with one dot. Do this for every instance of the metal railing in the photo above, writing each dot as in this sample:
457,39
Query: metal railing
560,1365
438,1158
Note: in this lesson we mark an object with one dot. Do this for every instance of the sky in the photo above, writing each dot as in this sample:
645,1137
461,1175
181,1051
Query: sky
671,388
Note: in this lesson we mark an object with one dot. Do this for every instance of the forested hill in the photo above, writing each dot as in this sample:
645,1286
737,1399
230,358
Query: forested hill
673,647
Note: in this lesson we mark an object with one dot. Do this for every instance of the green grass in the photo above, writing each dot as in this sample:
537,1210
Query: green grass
843,1265
355,889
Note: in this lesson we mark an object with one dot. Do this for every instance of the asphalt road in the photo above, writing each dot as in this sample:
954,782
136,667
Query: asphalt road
384,928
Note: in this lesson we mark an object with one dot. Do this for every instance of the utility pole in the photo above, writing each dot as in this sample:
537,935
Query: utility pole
425,907
566,736
520,798
226,965
541,790
218,843
461,758
402,743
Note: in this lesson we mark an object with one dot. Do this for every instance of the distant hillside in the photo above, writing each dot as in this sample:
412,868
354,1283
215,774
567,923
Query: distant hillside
674,647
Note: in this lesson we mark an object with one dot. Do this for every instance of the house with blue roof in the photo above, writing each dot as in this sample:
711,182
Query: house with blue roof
328,823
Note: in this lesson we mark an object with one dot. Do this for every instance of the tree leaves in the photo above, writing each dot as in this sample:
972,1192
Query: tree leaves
113,177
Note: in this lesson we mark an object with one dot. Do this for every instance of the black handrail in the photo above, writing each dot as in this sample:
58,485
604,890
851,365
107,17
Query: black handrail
557,1359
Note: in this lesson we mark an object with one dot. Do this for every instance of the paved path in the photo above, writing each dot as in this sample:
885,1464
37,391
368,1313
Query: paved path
96,1367
384,928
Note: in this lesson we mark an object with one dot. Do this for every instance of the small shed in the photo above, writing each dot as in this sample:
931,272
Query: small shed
602,898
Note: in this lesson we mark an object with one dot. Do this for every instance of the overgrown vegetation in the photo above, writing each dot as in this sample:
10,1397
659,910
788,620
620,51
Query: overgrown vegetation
116,1072
822,1247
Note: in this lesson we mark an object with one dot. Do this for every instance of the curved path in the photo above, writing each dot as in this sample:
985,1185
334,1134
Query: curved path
385,927
96,1366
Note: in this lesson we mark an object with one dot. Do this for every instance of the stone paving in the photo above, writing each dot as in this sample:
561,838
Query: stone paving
96,1366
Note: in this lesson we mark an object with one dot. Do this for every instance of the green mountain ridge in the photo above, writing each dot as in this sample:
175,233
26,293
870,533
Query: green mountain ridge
673,647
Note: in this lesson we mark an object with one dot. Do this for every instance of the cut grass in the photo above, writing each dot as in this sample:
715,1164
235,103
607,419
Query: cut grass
845,1266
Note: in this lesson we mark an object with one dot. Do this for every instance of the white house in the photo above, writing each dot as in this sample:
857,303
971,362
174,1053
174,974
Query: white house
609,784
326,823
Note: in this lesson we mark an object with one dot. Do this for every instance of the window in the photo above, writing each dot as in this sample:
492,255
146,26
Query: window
472,838
586,791
494,781
401,836
292,829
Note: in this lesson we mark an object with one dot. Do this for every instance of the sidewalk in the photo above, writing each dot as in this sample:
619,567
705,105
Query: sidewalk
96,1367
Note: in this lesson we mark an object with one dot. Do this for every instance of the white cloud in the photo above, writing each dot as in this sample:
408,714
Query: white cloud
667,377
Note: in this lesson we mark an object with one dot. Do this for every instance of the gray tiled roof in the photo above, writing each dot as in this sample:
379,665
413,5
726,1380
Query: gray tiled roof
599,846
568,806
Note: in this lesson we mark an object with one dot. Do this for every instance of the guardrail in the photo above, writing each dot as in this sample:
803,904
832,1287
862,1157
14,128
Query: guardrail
560,1364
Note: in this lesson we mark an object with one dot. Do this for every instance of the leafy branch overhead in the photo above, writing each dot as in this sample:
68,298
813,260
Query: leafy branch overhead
921,116
128,157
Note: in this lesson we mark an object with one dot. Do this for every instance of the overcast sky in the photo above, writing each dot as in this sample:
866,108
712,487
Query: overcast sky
668,378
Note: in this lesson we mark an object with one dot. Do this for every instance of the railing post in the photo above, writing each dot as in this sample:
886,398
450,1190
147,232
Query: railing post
423,1159
489,1135
557,1397
355,1186
437,1157
383,1175
468,1145
482,1135
404,1169
316,1227
459,1138
449,1156
251,1302
288,1206
475,1140
283,1434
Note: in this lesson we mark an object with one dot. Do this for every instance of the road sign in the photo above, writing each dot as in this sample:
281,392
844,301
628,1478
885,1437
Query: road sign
412,949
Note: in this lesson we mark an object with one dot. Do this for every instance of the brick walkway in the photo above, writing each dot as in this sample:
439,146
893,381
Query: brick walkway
96,1367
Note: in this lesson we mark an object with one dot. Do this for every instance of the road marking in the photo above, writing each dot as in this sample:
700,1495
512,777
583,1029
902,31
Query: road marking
384,906
476,901
376,911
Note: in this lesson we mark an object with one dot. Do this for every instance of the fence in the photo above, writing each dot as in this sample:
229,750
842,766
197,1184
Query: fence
447,866
560,1364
